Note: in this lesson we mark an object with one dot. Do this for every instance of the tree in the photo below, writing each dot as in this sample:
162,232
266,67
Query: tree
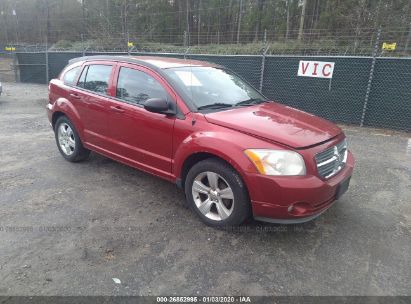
350,22
302,18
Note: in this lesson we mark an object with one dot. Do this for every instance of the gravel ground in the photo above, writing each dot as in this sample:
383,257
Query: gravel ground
69,229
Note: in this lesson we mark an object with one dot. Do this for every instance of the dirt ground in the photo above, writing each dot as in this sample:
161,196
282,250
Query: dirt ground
69,229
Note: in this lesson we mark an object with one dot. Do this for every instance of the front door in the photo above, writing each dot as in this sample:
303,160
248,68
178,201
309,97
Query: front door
139,136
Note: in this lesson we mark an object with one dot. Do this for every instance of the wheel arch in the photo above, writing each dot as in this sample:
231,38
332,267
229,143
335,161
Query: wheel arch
56,115
63,107
219,144
191,160
198,156
237,180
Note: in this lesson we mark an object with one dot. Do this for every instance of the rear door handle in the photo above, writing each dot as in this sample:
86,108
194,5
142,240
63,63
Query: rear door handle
74,95
117,109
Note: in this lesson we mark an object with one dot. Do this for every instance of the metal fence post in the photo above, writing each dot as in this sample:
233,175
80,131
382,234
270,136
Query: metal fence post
263,68
47,64
128,45
82,46
15,67
186,52
371,76
185,39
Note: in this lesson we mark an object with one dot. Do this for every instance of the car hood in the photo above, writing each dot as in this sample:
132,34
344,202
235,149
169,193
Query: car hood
278,123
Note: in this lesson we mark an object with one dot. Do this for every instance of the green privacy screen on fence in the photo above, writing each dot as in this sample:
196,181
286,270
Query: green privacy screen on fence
340,99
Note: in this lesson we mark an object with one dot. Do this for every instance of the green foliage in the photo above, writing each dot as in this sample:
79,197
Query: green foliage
163,24
62,44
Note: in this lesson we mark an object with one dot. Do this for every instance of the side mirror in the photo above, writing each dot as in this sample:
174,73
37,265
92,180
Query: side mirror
158,105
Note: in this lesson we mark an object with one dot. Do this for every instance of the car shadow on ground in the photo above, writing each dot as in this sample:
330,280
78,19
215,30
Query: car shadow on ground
126,174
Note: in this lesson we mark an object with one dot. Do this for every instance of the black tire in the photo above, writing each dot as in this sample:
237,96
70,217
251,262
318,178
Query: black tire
79,153
241,209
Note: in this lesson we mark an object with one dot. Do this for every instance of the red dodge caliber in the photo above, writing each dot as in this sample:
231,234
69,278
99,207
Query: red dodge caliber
235,153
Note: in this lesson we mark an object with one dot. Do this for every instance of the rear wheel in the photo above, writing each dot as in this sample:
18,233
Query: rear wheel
217,193
68,141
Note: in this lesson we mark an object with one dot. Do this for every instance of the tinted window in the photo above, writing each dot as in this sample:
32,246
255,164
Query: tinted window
70,76
82,79
96,78
136,87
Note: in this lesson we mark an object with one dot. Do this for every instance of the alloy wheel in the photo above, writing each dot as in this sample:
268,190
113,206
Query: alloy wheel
65,136
213,196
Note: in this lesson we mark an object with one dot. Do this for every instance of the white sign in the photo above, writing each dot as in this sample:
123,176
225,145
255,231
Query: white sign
319,69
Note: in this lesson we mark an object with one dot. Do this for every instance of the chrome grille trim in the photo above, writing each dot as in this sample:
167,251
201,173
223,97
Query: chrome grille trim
332,160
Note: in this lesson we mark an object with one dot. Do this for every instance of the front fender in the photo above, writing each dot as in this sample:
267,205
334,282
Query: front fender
225,145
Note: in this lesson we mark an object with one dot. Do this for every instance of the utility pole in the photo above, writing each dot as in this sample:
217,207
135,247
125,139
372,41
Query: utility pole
287,31
47,40
126,35
47,21
83,10
108,16
240,13
17,24
407,42
199,22
300,31
4,21
218,22
188,22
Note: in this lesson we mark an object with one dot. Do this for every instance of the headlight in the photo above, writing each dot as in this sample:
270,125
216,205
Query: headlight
277,162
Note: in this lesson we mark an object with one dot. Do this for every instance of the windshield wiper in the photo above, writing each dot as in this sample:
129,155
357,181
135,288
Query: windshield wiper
216,105
251,101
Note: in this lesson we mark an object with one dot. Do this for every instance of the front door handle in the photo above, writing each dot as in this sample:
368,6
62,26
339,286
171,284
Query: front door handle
117,109
74,95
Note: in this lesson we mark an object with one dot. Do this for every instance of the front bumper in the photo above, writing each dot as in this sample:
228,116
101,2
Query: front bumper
294,199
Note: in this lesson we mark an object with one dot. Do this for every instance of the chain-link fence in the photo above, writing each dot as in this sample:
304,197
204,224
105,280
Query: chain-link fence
370,91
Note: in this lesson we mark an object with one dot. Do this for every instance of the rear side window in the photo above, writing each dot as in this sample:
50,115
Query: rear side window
136,86
82,79
95,78
70,76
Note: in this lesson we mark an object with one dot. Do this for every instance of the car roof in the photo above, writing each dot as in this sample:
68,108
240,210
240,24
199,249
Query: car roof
154,62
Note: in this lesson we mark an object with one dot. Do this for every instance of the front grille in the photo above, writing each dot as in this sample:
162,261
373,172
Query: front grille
332,160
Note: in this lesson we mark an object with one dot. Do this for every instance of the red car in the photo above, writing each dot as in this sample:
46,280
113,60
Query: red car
235,153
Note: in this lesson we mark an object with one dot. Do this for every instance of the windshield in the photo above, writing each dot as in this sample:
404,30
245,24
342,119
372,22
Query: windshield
210,87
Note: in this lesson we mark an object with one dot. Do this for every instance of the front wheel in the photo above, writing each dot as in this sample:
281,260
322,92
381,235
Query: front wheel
217,193
68,141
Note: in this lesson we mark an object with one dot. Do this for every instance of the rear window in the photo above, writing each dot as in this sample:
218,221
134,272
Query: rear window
70,76
95,78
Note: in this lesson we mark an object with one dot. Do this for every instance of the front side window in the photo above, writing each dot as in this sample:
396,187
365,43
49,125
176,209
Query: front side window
136,86
70,76
96,78
211,86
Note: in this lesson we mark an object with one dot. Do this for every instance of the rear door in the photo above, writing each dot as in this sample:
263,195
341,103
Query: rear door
91,96
139,136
